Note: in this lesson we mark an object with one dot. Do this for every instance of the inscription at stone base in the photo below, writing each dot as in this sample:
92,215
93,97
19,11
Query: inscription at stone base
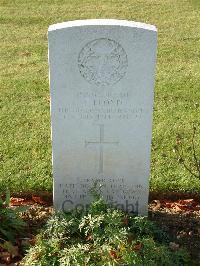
114,191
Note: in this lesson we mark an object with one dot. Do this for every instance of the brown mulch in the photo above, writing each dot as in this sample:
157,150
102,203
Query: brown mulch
177,214
180,219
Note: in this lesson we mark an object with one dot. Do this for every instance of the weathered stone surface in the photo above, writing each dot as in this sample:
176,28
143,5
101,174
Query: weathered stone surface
101,82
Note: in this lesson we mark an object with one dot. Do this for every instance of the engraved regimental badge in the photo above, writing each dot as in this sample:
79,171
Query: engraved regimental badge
102,62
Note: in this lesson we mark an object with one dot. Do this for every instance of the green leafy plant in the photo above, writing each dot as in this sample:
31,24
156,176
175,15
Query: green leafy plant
102,236
10,224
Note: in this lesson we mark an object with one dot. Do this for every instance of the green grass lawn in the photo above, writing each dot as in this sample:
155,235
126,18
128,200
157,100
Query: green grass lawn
24,90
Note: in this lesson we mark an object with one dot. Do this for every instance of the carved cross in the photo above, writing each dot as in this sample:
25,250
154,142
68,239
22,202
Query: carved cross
101,142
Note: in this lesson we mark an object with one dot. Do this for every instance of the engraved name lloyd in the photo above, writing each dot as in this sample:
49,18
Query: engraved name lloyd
101,106
102,62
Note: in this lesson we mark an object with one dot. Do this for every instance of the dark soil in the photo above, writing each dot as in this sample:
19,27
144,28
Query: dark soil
182,226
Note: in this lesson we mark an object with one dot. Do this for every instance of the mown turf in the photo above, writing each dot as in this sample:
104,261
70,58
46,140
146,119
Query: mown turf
24,91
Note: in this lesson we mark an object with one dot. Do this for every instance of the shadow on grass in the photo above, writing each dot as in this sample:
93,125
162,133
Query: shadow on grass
183,229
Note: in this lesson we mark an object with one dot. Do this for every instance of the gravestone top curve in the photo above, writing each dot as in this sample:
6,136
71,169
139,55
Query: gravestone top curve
102,22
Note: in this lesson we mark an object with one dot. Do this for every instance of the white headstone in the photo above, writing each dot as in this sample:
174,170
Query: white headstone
101,82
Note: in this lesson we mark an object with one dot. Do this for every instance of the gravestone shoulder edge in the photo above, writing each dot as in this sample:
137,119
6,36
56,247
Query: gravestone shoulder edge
101,22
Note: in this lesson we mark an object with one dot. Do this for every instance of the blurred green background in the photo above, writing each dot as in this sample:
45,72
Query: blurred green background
25,154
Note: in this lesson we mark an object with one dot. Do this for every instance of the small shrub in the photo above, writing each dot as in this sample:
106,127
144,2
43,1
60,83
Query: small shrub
102,236
10,224
191,162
